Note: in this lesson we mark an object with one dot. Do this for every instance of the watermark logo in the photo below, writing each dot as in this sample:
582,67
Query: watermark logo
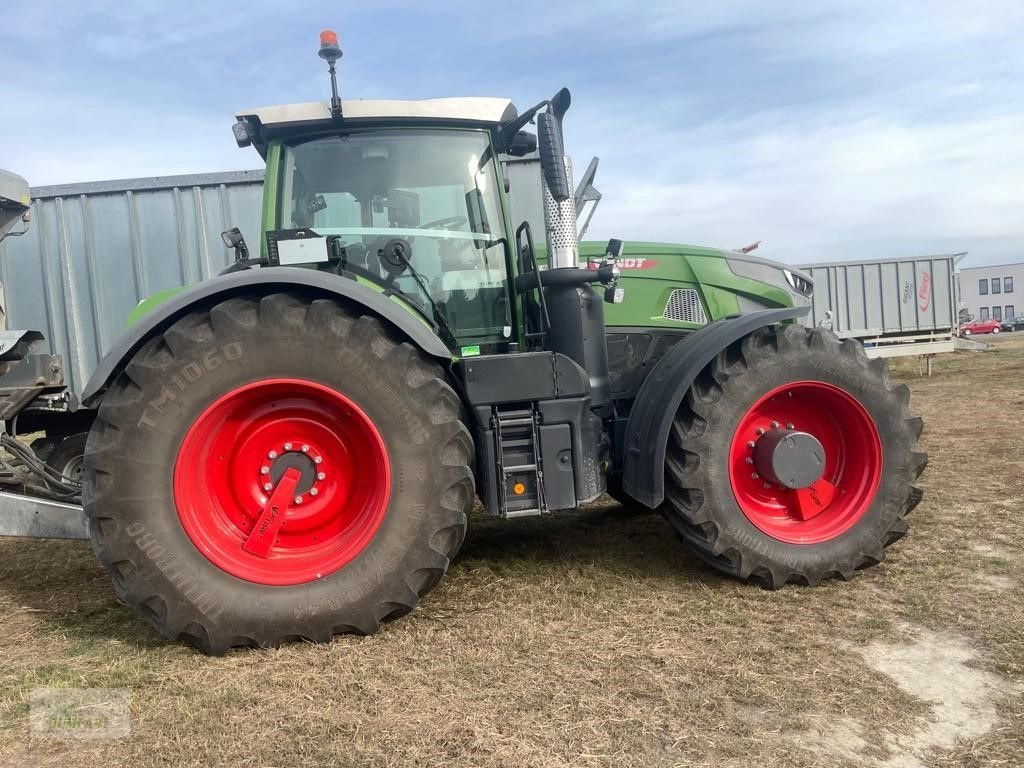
89,714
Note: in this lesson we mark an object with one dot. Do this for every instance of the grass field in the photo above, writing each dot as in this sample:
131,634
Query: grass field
595,639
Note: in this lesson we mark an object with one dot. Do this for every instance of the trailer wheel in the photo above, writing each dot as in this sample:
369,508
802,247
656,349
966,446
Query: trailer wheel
276,469
793,459
67,457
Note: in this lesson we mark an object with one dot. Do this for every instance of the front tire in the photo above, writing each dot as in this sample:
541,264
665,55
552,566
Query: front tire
211,415
788,380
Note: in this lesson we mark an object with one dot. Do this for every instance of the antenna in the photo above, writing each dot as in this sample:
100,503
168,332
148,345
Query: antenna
330,52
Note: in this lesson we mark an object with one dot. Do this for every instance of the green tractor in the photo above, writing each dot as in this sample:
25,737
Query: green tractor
291,450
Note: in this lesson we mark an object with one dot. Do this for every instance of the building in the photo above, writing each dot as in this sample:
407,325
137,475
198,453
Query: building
995,292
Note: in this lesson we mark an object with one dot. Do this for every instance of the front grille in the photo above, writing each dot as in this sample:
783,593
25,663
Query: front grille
684,305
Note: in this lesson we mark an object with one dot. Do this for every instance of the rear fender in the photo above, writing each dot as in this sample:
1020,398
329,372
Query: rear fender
662,392
259,281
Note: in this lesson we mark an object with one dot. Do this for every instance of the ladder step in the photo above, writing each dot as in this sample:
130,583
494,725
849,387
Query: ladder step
520,468
514,422
516,412
532,512
511,444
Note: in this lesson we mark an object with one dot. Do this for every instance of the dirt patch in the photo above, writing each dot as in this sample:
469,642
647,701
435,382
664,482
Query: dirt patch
937,668
940,669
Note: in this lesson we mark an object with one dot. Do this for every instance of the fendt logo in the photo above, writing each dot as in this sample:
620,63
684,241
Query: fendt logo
628,264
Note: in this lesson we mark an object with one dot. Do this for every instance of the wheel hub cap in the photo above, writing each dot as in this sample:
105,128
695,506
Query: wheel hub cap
789,459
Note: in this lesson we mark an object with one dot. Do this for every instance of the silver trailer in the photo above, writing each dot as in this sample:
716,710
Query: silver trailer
96,249
901,306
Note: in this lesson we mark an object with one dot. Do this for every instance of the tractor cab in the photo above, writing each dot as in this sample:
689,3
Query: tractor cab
404,196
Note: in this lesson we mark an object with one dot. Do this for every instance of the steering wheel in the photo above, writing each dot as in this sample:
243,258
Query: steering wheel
446,223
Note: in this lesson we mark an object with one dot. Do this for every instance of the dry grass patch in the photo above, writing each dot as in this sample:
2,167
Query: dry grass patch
592,639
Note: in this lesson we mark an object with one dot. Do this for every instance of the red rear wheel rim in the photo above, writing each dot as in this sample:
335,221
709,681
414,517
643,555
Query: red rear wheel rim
245,440
852,470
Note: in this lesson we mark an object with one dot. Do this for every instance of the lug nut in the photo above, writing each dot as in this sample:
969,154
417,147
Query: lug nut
318,459
287,446
775,425
749,460
321,475
755,476
298,499
305,449
272,455
790,426
767,485
313,491
263,499
750,443
264,470
268,486
760,431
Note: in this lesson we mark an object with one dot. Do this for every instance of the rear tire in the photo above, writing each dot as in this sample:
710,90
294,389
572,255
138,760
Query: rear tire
714,499
167,502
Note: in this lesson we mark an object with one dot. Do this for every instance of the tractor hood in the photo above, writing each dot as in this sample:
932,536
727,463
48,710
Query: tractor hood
728,282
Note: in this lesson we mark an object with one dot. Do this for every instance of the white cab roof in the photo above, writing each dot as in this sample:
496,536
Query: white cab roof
475,109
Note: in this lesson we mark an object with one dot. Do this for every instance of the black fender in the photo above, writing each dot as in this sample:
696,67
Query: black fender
662,392
209,292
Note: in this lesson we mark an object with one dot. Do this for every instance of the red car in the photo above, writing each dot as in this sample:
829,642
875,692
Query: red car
980,326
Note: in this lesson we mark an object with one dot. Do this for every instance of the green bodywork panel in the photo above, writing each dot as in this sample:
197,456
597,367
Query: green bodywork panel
150,303
651,271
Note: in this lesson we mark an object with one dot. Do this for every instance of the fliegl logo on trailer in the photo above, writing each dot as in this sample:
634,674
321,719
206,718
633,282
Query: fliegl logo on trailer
924,293
632,263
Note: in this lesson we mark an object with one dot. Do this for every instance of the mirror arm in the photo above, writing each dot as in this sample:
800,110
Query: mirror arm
508,131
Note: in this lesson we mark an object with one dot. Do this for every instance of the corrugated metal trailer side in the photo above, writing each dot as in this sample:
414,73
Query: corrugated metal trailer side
865,299
95,250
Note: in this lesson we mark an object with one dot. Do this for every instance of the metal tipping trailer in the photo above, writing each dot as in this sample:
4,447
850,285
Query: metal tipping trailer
41,493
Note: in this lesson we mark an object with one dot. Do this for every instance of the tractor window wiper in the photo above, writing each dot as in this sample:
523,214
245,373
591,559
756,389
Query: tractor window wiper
439,318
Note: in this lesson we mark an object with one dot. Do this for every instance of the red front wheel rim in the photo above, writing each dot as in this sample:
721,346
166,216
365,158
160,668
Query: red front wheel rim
260,435
852,468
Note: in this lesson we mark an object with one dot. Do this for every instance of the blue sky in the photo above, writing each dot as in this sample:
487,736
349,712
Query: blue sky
829,130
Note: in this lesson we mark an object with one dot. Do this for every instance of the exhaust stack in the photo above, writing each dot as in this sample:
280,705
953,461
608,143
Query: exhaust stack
560,224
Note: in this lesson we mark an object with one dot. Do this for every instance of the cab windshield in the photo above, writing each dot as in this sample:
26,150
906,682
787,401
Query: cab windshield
434,190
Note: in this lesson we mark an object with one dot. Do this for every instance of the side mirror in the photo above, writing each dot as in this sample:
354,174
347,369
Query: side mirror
552,156
234,239
522,144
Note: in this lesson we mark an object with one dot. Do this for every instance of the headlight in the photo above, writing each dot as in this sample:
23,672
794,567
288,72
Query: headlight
799,283
770,272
